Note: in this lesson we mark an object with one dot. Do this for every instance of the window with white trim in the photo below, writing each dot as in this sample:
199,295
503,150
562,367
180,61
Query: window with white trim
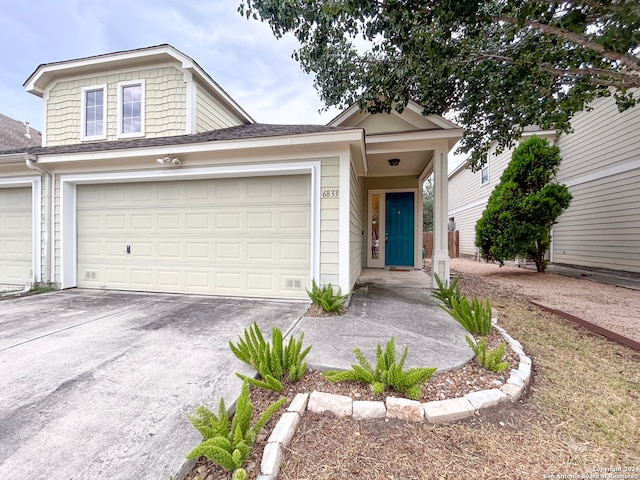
93,113
484,175
131,109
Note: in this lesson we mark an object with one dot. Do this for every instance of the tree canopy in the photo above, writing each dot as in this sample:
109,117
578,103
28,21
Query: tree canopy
524,206
495,65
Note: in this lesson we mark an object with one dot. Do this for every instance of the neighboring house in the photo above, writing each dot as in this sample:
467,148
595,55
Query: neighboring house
17,255
601,167
151,178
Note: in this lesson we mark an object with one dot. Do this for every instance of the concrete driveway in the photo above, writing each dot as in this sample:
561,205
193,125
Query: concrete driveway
97,384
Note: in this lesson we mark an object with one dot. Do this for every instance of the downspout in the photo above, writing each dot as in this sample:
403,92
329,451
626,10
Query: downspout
46,265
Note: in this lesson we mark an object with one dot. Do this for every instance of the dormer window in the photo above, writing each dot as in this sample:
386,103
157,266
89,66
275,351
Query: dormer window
93,113
131,109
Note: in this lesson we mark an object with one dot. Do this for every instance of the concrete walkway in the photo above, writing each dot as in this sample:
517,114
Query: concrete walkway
388,304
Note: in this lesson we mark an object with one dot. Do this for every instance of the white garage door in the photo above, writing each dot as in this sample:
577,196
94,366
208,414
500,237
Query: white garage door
16,241
246,236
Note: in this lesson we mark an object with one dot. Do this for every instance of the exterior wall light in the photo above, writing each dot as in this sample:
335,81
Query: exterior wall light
170,160
394,162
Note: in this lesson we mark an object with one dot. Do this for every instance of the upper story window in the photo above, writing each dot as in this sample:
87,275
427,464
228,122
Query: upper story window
131,109
484,175
93,113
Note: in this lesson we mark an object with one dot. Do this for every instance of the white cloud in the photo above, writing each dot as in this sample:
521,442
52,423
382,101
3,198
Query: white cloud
243,56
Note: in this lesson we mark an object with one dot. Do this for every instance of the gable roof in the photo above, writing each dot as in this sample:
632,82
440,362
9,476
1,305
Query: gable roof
13,135
412,115
47,73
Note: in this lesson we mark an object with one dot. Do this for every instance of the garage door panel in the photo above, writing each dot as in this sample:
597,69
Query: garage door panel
229,237
16,236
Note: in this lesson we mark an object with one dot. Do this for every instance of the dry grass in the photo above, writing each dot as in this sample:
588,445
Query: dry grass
582,412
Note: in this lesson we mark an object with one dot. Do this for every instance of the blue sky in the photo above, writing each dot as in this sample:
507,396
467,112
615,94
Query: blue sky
242,55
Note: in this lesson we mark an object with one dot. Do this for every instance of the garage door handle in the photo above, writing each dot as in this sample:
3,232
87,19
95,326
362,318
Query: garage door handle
128,249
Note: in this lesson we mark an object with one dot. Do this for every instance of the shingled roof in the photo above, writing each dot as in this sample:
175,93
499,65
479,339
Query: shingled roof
240,132
12,135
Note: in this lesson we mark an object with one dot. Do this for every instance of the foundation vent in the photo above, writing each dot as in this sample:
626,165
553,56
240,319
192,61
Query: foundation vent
90,275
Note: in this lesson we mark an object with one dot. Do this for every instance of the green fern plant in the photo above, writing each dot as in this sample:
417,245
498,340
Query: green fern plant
326,299
475,317
273,361
387,374
489,359
228,442
447,291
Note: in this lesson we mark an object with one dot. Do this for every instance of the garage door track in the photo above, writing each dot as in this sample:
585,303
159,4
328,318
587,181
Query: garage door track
97,384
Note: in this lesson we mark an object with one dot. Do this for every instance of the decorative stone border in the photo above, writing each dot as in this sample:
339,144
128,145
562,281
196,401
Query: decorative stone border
397,408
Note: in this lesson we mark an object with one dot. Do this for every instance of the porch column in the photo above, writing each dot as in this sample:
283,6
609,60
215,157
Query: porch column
440,262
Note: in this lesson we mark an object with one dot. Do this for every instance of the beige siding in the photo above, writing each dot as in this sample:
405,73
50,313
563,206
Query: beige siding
389,183
210,115
165,105
356,228
329,224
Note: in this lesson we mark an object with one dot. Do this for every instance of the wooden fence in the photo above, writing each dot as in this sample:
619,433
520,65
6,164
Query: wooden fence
454,244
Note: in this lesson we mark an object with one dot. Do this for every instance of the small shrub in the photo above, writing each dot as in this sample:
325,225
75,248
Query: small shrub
474,317
228,443
447,291
489,359
325,298
274,362
387,374
43,287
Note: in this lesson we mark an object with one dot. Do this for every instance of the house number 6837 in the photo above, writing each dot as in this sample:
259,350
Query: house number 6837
330,193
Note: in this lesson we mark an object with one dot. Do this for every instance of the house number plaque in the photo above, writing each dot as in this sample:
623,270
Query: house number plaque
330,193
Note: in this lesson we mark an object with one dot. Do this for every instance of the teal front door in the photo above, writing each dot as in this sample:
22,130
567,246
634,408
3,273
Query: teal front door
399,229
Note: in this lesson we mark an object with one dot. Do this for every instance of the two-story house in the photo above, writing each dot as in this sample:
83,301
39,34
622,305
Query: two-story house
151,178
600,166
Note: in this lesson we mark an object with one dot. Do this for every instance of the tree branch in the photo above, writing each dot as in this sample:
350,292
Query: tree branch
627,60
599,76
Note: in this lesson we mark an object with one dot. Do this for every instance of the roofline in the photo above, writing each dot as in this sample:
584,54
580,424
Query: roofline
351,136
46,73
6,158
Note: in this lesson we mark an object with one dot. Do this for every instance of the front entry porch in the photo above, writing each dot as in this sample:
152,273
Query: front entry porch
387,304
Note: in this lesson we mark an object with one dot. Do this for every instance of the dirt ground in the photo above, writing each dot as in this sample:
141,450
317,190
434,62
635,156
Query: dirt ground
614,308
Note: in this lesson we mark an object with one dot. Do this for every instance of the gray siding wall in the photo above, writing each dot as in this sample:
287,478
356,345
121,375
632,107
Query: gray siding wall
468,198
601,167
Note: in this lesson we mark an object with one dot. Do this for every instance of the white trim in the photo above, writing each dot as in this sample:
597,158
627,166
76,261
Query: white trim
45,101
486,166
35,183
344,222
83,112
99,64
192,104
381,261
599,175
376,262
68,201
119,118
318,138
